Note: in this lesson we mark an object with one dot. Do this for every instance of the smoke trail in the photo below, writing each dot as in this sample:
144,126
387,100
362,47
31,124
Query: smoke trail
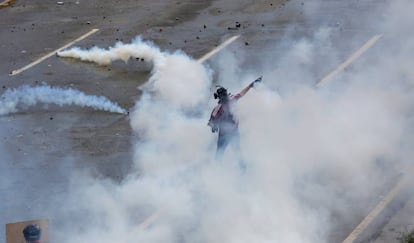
13,99
136,49
175,78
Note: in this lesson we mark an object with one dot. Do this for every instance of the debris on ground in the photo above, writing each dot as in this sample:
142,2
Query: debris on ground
236,26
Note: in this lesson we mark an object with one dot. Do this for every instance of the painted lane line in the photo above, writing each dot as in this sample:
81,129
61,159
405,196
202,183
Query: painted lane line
217,49
401,183
153,217
6,3
376,211
15,72
350,60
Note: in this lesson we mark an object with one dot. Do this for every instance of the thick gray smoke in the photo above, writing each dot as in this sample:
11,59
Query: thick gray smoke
14,100
311,154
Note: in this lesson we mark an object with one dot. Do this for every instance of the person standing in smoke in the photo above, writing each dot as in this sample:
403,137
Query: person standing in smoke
222,119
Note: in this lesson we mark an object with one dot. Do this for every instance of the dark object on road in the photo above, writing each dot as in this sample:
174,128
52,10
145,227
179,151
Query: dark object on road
237,25
32,233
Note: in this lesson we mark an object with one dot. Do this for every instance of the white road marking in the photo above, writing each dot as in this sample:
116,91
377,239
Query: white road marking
217,49
151,219
15,72
376,211
350,60
6,3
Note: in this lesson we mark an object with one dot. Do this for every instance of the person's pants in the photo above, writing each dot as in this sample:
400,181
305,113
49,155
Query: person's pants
224,139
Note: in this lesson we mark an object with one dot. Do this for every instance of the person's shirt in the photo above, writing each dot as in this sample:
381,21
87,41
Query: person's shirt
222,118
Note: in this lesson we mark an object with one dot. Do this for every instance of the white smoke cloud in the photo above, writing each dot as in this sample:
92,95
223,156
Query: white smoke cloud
136,49
310,154
175,77
12,100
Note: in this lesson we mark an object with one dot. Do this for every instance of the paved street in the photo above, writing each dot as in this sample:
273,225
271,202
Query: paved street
47,151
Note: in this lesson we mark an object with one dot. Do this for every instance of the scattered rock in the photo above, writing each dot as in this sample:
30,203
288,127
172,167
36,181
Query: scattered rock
238,25
246,43
197,37
205,26
51,118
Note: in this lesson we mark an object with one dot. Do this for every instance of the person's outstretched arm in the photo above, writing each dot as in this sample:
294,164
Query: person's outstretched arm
248,87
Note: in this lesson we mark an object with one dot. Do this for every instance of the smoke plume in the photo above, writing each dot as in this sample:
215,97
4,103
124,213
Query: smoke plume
136,49
14,100
170,80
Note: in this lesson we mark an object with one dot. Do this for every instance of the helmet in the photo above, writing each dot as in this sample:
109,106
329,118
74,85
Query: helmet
32,232
221,94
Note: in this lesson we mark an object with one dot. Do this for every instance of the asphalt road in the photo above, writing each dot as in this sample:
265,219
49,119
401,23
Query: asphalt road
47,142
